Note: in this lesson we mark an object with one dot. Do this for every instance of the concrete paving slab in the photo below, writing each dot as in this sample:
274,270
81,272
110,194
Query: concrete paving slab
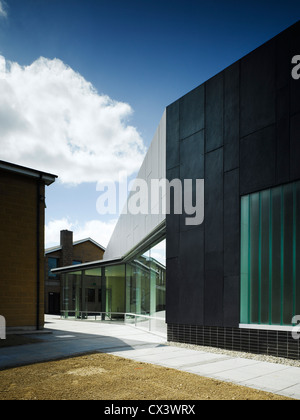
70,338
180,363
167,354
277,381
248,374
292,391
161,350
228,365
239,375
195,360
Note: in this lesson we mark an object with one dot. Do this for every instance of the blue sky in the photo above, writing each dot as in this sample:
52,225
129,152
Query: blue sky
143,54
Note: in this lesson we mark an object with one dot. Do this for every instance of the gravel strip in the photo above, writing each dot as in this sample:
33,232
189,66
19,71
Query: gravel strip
258,357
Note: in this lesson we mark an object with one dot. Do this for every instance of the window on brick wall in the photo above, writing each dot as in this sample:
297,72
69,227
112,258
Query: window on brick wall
52,263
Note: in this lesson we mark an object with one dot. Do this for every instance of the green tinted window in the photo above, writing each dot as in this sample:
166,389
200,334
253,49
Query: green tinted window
270,256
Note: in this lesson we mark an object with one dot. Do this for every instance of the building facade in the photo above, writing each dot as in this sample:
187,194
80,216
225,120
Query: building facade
22,209
232,281
66,254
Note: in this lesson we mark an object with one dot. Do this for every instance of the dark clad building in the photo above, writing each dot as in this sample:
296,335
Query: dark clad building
234,281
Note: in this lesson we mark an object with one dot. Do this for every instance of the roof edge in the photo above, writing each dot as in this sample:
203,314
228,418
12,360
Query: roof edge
23,170
59,247
155,236
86,266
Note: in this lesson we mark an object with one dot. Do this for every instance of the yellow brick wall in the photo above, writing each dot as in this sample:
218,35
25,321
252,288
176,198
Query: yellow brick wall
18,250
87,252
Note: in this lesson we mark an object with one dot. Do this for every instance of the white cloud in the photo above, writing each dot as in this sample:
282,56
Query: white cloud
98,230
158,252
3,12
53,120
52,231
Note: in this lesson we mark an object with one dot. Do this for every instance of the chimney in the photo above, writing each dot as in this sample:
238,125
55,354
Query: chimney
66,242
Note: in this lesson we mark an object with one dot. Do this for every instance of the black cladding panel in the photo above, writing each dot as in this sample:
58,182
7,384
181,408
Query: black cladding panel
240,131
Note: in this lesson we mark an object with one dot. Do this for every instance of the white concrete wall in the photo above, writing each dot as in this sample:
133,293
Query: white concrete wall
131,229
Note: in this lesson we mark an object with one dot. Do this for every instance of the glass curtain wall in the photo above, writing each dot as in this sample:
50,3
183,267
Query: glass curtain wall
270,256
115,289
72,294
146,283
92,287
137,287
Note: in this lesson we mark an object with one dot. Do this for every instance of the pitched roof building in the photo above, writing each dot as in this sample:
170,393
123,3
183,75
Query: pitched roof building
68,253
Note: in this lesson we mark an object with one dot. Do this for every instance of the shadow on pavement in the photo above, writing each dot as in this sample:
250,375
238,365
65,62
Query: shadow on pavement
21,350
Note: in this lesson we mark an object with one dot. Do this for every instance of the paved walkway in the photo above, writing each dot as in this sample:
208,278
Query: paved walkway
68,338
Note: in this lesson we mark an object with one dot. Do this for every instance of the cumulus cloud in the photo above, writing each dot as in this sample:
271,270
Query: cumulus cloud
158,252
52,231
53,120
3,12
98,230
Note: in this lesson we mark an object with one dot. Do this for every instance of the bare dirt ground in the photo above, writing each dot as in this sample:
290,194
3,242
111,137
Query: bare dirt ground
101,376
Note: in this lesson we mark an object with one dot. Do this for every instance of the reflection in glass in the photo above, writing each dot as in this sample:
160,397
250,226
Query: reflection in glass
115,288
146,283
137,287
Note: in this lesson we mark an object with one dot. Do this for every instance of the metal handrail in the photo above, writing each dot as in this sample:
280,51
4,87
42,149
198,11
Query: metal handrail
114,313
65,314
144,316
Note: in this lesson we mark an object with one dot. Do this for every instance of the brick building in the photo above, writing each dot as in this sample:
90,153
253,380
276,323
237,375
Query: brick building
68,253
22,210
